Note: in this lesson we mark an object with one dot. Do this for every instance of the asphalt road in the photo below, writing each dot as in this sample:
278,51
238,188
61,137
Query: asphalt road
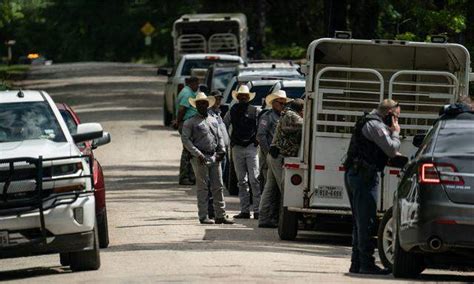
154,231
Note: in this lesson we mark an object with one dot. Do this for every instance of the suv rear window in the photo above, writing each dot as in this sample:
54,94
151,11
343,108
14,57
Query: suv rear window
29,121
201,64
455,140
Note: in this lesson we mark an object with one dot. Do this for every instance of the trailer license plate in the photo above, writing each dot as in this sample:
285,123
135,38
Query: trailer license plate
4,238
329,192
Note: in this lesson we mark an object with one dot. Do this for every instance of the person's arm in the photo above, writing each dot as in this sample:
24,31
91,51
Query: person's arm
227,119
291,122
262,130
186,139
381,136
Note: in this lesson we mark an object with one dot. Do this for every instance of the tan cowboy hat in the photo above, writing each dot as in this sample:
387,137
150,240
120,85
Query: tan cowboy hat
280,94
243,89
202,97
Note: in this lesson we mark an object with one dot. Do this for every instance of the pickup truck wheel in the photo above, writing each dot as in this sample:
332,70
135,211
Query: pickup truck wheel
287,224
406,264
103,227
385,241
167,116
64,259
86,260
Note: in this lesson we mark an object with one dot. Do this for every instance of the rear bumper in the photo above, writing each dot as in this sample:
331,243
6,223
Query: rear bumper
54,244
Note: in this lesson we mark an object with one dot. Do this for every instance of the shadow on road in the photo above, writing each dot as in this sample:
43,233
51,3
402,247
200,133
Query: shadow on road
32,272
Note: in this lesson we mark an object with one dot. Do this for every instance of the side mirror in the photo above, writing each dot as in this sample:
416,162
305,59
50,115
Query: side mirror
105,139
203,88
418,140
87,131
163,72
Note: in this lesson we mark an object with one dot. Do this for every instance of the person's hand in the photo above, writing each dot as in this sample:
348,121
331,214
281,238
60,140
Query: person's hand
175,124
202,160
395,126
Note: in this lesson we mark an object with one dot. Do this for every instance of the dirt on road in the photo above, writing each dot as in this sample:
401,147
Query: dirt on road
154,231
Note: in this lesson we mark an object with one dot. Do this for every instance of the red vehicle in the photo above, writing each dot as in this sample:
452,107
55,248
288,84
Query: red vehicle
72,120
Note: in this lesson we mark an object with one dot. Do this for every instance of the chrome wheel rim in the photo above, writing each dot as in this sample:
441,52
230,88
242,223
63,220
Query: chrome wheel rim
388,241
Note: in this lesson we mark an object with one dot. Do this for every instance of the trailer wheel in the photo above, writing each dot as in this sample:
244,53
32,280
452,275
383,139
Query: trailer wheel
86,260
167,116
287,224
385,242
406,264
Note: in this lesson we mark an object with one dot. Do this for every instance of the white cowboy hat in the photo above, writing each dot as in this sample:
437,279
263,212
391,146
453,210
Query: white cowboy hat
280,94
202,97
243,89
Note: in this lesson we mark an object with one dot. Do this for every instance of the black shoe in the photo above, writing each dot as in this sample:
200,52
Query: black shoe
355,267
271,226
224,220
206,221
242,215
255,216
374,269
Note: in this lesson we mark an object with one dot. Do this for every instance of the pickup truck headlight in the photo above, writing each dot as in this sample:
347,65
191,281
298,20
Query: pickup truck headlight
66,169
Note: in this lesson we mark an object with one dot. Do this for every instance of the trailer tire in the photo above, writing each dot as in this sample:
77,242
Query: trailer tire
86,260
287,224
385,240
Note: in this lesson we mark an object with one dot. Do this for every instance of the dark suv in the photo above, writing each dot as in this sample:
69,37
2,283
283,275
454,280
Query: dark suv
434,203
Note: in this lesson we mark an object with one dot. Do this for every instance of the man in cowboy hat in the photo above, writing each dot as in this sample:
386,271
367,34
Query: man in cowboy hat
243,118
185,111
286,143
266,128
201,137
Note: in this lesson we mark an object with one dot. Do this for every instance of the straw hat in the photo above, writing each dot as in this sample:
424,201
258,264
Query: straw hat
280,94
202,97
243,89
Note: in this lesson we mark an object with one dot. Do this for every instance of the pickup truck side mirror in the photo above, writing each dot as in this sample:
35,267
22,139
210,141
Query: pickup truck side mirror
418,140
163,72
105,139
87,131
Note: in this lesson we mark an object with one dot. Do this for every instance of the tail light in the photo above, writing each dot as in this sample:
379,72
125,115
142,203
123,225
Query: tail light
180,87
296,179
439,174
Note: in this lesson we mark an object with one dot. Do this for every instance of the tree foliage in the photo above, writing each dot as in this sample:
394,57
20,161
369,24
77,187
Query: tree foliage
109,30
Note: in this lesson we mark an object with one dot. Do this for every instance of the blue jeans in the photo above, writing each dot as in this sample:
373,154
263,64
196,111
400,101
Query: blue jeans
362,191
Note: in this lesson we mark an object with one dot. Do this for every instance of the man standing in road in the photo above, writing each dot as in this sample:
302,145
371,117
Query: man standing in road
216,112
243,119
375,139
184,112
201,137
286,143
266,129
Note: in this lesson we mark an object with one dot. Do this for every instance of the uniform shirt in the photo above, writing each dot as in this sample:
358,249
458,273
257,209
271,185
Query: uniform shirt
216,113
379,133
266,129
183,100
288,134
242,119
201,136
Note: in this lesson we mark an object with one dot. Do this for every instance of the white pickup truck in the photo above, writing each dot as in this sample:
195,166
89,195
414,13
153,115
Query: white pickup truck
47,200
176,79
344,78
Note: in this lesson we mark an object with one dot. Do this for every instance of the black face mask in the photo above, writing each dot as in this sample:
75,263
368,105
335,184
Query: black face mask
388,119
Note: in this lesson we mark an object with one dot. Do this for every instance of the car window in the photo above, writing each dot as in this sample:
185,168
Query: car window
294,92
29,121
200,63
70,122
427,142
455,140
260,93
221,79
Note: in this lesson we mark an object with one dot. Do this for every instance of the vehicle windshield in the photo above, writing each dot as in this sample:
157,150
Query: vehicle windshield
260,93
222,78
200,64
294,92
29,121
455,140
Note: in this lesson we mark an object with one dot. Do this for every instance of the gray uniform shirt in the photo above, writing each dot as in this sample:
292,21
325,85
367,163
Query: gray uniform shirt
379,133
222,127
201,136
266,129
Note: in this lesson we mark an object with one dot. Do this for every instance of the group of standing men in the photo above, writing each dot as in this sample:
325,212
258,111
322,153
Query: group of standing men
258,142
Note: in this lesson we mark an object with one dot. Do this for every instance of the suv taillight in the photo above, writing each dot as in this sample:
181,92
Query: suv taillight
439,174
180,87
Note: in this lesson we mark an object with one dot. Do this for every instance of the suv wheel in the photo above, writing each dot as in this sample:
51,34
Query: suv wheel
103,228
406,264
86,260
385,241
287,224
